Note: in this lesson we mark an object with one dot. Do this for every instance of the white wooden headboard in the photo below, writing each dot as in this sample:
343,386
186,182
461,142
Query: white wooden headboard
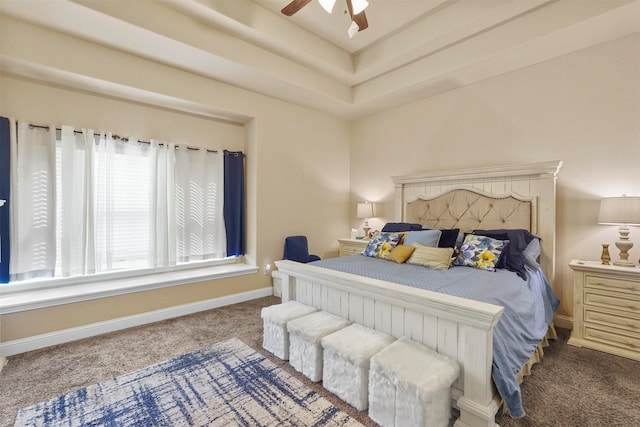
512,196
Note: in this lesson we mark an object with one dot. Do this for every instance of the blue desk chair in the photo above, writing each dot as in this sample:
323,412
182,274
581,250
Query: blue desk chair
296,248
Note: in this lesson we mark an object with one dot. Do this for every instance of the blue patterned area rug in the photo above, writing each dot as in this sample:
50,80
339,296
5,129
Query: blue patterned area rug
228,384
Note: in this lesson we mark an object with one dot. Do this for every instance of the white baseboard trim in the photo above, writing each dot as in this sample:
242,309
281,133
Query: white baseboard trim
564,322
23,345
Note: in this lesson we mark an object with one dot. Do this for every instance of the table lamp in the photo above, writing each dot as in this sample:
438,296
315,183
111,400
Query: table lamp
365,210
622,211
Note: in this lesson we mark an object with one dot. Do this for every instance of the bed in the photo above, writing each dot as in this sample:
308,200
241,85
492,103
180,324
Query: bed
506,197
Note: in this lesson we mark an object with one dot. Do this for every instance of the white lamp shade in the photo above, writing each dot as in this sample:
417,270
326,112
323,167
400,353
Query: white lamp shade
619,210
359,5
364,210
327,4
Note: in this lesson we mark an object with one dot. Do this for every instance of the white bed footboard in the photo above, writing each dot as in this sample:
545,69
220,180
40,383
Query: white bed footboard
459,328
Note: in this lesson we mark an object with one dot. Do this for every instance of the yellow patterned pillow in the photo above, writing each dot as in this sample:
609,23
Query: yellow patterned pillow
401,253
436,258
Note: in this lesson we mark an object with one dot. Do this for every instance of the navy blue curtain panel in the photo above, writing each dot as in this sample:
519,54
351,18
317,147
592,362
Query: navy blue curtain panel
5,174
234,205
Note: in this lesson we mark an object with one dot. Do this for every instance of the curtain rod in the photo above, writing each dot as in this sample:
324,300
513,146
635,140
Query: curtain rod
122,138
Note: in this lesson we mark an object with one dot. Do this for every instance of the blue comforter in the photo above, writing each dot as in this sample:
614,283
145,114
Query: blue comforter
528,308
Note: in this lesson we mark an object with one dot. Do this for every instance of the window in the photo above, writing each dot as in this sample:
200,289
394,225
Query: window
119,204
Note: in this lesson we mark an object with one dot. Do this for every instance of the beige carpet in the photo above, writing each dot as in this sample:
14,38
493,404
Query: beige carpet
571,387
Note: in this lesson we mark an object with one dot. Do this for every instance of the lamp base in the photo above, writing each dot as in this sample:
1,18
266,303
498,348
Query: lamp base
624,245
624,263
367,232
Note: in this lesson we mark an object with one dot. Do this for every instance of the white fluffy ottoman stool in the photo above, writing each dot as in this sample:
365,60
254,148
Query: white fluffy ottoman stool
347,353
275,337
305,333
409,385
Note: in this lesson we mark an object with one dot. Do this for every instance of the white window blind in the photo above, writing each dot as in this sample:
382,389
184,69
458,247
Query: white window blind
123,209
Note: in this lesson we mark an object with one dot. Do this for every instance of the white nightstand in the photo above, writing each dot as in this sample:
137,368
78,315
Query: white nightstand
352,246
606,308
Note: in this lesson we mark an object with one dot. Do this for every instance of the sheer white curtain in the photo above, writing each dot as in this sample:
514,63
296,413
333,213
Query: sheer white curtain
75,203
162,218
33,229
199,186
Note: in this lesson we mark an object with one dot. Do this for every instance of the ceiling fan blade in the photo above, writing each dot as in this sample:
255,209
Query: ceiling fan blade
294,6
360,18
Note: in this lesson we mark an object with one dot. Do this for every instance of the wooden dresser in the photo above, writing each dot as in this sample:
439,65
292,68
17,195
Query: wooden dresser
606,310
352,246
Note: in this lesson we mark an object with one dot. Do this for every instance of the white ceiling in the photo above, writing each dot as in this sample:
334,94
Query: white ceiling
411,50
385,18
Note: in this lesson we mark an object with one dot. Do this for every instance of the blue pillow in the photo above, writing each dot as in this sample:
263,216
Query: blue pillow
532,254
397,227
424,237
449,237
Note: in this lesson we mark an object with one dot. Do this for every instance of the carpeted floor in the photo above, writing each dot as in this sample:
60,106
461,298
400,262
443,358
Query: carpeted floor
570,387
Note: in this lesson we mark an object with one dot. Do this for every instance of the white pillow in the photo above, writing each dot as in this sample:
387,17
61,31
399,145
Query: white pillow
428,256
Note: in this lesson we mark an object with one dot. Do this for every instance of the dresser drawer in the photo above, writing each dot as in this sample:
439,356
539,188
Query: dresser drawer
610,318
609,337
349,250
627,286
352,247
623,302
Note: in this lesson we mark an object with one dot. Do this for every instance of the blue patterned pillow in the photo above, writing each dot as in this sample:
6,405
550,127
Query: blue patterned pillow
480,252
381,244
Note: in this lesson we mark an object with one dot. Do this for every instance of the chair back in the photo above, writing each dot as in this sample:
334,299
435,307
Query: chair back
296,248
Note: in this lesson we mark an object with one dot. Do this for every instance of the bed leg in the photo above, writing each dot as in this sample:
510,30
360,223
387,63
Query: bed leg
288,290
473,414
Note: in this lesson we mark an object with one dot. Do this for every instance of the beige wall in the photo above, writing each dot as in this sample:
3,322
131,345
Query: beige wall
582,108
297,159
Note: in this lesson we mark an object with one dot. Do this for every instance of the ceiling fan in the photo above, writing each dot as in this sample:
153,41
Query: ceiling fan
359,19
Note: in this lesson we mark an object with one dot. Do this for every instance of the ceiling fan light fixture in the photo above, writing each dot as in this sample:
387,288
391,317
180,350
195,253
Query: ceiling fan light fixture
359,6
327,5
353,29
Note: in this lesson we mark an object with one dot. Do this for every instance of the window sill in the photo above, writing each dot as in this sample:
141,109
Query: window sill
76,292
